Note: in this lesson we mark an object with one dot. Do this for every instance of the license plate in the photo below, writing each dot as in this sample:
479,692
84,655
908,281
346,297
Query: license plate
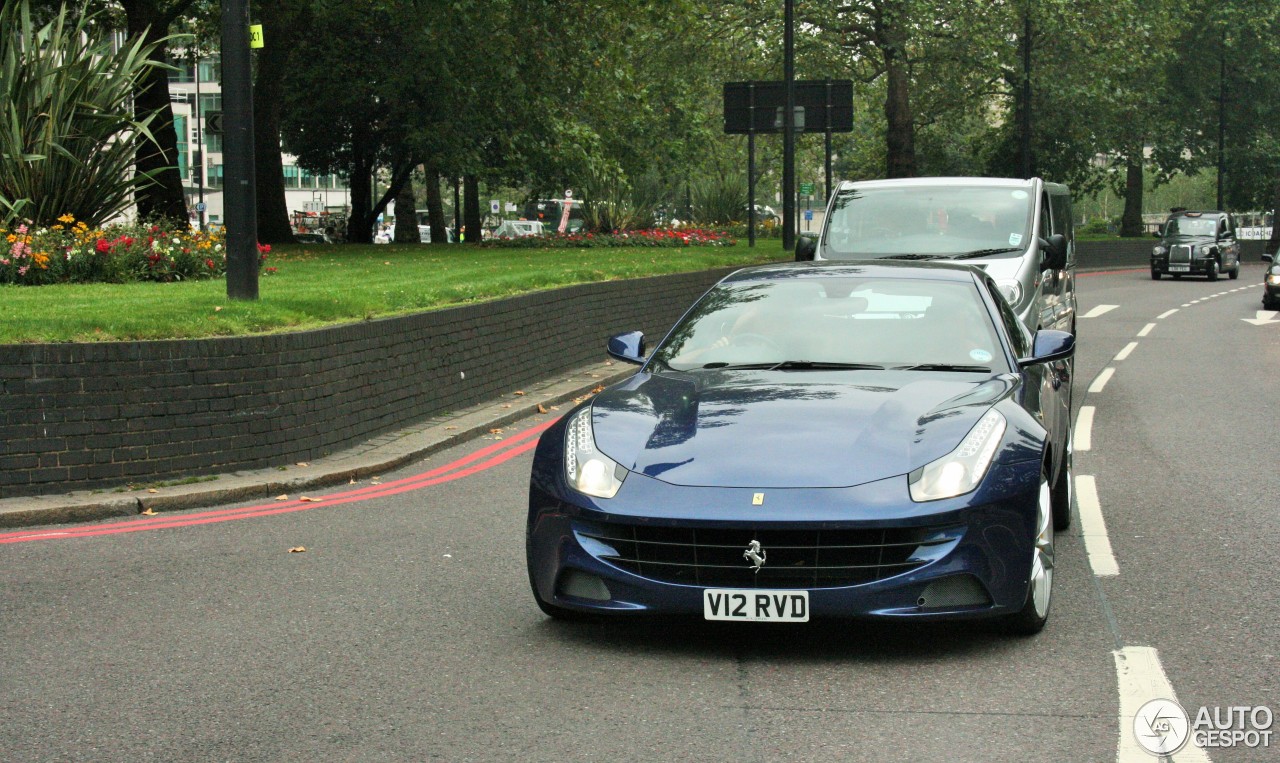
755,606
1179,268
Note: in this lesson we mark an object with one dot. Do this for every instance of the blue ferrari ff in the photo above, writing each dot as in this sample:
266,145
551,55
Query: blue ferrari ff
816,441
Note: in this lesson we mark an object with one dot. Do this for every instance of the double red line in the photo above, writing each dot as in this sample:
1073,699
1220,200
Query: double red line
482,459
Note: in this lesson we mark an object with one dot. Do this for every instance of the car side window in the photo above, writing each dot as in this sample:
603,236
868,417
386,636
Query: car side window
1012,326
1046,228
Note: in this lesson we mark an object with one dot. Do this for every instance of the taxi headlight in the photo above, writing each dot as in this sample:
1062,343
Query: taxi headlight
1159,251
587,469
962,469
1273,279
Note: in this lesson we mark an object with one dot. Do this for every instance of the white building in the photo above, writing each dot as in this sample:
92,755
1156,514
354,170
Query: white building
200,148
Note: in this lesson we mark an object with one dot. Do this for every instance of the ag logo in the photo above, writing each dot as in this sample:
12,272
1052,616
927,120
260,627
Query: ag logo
1161,727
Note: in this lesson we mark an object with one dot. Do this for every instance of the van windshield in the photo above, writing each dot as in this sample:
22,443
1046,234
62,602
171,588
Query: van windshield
928,221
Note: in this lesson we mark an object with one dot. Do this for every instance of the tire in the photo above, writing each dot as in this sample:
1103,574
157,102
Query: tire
1234,273
1155,275
1213,270
1063,491
1035,611
1270,304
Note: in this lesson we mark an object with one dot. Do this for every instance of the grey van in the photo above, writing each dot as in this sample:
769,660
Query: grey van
1018,231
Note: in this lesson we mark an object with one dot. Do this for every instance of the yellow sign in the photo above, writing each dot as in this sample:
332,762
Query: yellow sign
255,36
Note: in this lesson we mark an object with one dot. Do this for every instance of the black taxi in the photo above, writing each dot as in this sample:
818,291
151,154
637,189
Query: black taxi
1196,243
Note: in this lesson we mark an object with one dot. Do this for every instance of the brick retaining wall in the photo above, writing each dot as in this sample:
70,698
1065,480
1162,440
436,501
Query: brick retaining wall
79,416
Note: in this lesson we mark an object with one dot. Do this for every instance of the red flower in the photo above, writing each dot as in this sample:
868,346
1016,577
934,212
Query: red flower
103,246
209,263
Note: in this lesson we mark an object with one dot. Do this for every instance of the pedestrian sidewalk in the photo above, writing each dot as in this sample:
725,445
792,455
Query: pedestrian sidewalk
375,457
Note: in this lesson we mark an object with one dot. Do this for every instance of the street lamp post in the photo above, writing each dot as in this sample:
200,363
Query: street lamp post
789,129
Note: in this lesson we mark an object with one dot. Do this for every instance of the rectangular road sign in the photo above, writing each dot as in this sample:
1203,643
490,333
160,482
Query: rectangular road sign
749,107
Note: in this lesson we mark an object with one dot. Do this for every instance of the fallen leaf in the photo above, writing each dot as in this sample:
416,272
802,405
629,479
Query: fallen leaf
495,431
152,490
599,388
303,463
282,497
555,407
450,427
608,362
508,405
519,392
595,376
150,512
297,549
352,481
309,500
217,309
542,408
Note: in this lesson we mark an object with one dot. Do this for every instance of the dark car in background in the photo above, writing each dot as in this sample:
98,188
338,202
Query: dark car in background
816,440
1196,243
1271,284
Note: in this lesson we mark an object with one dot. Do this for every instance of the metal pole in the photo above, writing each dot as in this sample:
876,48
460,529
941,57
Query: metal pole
195,58
827,145
751,164
1026,93
1222,119
239,199
457,210
789,130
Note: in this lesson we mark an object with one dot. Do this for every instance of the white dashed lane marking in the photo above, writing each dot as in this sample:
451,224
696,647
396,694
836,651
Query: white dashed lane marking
1141,678
1128,348
1094,529
1166,314
1102,380
1099,310
1147,329
1082,437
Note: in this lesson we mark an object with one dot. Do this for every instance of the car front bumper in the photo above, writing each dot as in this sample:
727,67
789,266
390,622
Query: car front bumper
972,560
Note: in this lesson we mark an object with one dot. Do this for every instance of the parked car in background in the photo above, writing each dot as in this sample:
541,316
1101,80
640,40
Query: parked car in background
518,229
312,238
1271,284
1019,231
1196,243
835,440
549,212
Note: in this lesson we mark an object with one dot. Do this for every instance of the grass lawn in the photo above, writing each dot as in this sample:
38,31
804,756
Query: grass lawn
324,285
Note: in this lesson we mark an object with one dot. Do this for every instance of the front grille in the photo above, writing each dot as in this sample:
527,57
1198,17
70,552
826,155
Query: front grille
793,558
1180,253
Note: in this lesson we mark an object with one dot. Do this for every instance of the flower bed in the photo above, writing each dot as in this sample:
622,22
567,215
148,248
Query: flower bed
656,237
72,252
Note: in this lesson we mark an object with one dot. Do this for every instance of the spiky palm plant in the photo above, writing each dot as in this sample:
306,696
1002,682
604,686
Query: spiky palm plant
68,136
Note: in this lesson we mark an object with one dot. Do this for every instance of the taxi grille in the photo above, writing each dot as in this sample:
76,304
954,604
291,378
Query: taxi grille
1180,253
793,558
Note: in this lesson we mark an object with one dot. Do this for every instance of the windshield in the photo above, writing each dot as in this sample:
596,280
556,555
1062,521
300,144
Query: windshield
938,221
806,323
1190,226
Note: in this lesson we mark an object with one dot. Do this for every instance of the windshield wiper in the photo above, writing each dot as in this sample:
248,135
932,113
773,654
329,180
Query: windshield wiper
986,252
911,257
944,367
794,365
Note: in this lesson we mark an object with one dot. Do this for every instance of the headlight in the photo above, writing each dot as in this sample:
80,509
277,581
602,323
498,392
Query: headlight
1159,251
962,469
1012,291
587,469
1273,279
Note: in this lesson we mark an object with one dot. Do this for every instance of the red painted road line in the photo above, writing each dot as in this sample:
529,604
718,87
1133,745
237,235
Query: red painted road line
509,448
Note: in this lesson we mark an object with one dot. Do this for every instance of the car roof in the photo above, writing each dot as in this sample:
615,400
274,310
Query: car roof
934,271
1197,213
929,182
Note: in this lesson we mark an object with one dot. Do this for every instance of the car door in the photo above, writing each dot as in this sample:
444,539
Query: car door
1229,243
1065,286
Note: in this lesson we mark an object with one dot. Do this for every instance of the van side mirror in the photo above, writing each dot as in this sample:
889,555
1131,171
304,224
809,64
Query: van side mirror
1157,235
1055,252
1266,257
806,247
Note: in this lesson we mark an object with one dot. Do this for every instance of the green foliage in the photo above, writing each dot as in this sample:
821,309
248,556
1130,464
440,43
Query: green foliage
67,136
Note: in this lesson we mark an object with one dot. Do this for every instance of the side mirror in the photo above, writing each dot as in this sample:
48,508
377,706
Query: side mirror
628,347
1055,251
806,247
1157,234
1266,257
1048,346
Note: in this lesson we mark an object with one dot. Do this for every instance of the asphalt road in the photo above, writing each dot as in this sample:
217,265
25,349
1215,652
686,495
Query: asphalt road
406,632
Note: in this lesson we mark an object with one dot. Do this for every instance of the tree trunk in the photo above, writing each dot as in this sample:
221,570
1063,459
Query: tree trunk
435,207
406,214
360,225
471,222
268,94
900,161
1131,221
164,198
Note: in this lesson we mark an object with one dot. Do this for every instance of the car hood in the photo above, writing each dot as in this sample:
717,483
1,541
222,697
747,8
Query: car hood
771,429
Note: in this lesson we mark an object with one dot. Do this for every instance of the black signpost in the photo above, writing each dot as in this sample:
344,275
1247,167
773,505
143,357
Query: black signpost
752,108
238,193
